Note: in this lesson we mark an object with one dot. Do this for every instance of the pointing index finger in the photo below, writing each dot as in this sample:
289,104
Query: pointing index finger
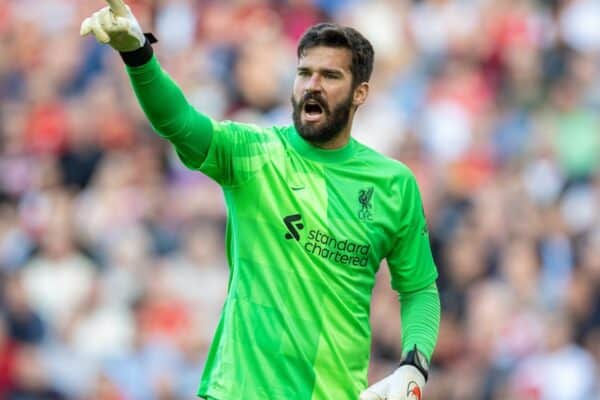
118,7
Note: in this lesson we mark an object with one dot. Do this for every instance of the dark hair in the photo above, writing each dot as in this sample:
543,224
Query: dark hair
334,35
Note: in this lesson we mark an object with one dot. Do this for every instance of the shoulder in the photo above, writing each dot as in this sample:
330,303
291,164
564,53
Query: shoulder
251,134
228,126
386,165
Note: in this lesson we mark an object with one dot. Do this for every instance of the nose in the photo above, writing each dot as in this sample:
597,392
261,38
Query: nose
313,84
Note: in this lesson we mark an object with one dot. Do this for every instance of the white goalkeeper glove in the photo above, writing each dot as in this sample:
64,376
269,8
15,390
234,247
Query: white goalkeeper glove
116,26
406,383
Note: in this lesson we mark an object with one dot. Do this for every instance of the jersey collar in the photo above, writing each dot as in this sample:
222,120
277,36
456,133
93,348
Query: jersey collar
314,153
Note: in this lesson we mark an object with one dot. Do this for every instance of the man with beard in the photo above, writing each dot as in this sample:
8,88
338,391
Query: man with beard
311,215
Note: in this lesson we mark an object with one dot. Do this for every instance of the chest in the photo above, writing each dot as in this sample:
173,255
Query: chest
350,212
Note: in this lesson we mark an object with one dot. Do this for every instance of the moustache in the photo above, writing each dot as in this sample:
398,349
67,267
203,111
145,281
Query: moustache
316,97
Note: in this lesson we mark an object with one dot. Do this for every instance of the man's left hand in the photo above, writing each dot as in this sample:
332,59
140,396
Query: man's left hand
406,383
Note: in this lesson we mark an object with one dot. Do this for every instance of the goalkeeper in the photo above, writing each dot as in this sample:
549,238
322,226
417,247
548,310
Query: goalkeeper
311,215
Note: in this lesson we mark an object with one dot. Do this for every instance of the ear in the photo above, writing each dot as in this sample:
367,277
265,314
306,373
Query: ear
360,94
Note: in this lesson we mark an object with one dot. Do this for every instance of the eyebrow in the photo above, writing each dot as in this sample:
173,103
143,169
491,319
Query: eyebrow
336,72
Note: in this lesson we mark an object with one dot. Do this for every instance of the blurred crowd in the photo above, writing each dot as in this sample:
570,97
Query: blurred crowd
112,266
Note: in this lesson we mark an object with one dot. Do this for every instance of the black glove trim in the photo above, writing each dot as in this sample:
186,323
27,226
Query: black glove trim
141,56
417,360
151,38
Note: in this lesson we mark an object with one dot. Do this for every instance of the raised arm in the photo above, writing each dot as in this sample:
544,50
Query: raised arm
160,97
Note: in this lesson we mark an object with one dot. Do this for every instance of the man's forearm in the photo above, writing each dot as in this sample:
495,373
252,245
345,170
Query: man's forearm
166,107
420,324
161,99
420,315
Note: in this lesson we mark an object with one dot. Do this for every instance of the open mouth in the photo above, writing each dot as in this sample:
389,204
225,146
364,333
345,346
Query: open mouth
312,110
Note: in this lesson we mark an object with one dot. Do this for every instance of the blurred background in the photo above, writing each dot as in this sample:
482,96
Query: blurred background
112,267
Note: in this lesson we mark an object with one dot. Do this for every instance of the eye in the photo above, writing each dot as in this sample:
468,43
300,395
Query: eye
303,72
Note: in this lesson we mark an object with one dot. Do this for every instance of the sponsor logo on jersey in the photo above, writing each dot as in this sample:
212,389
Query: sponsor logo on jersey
364,198
324,245
294,224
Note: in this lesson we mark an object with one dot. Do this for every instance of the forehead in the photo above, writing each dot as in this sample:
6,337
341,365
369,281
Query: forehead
319,57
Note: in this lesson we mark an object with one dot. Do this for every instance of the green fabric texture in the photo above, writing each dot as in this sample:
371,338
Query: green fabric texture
170,114
420,315
307,230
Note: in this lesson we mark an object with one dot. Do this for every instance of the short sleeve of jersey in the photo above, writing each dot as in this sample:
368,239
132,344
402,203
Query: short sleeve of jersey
410,260
237,152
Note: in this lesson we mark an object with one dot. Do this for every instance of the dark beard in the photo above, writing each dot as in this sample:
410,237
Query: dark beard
335,120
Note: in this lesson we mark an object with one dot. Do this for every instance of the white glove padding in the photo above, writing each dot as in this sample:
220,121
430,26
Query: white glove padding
115,25
406,383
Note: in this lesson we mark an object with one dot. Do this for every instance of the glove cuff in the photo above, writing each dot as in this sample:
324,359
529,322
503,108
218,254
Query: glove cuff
141,56
417,360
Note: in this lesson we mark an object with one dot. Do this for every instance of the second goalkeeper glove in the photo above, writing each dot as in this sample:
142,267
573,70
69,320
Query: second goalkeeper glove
406,383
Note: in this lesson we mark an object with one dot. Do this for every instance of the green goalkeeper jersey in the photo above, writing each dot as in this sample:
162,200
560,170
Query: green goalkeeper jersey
307,230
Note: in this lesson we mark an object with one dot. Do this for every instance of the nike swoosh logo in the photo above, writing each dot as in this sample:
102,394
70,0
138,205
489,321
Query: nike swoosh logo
296,188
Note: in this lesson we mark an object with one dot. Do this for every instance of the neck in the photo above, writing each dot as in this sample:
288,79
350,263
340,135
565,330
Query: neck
338,141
